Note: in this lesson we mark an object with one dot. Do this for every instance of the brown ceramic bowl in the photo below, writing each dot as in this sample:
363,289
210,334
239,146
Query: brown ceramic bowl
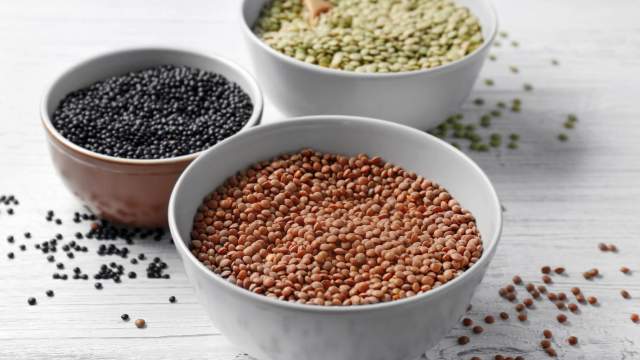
128,191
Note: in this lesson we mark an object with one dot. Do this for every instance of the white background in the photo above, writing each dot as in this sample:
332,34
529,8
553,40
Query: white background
561,198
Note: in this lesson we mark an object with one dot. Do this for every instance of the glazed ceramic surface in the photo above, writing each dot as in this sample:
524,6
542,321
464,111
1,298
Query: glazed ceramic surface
420,99
271,329
128,191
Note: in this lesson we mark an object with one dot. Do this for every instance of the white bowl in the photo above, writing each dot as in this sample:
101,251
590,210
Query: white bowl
129,191
420,99
271,329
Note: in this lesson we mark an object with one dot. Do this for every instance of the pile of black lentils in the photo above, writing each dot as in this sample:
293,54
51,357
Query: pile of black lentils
156,113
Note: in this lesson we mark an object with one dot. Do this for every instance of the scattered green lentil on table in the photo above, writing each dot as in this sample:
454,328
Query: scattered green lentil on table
372,36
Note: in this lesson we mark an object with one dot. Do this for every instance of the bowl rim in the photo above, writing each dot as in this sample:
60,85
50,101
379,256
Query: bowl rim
248,31
254,90
188,256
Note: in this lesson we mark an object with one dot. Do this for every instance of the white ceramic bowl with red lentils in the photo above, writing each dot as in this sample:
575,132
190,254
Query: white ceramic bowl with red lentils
273,329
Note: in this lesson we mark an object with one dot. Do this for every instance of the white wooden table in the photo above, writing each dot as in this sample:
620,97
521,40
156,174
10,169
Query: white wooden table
561,199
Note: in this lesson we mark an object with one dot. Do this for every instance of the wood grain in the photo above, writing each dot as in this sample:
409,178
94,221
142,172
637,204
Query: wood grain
561,199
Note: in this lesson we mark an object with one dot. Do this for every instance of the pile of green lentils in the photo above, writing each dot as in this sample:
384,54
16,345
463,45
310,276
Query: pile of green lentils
372,36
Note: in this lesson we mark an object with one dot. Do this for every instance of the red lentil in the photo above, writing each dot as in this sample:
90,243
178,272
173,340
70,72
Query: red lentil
575,290
545,344
592,300
573,307
547,334
562,296
522,317
572,340
328,229
528,302
467,322
625,294
140,323
635,317
562,318
625,270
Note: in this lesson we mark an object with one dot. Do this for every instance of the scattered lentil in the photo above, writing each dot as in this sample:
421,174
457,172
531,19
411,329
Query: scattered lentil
489,319
562,318
140,323
572,340
477,329
504,316
467,322
124,317
547,334
463,340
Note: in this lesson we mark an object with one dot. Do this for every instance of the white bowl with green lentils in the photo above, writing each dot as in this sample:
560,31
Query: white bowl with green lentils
411,62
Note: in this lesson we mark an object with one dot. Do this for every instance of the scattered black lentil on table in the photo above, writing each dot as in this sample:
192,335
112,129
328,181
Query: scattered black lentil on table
160,112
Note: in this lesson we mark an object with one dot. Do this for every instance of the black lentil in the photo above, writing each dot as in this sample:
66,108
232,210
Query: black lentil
160,112
98,286
172,299
50,293
32,301
124,317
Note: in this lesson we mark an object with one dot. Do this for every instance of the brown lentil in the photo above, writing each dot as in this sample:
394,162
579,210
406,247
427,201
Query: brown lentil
511,297
547,279
140,323
573,308
520,307
477,329
625,270
467,322
603,247
562,296
562,318
581,299
552,296
504,316
542,289
522,317
559,270
463,340
572,340
625,294
475,358
517,280
528,302
510,288
592,300
546,269
530,287
498,357
635,317
551,352
547,334
575,290
545,344
489,319
613,248
560,305
328,229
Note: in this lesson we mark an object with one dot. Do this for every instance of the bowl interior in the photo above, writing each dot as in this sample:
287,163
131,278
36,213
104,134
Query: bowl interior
412,149
124,61
482,9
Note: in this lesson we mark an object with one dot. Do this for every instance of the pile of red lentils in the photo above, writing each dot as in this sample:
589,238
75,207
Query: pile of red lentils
326,229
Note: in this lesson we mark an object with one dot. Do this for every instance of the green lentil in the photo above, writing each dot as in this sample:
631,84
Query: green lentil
495,140
514,69
478,101
492,57
496,113
497,43
563,137
568,125
527,87
572,118
372,36
485,121
488,82
512,145
515,44
555,62
514,137
501,105
504,34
